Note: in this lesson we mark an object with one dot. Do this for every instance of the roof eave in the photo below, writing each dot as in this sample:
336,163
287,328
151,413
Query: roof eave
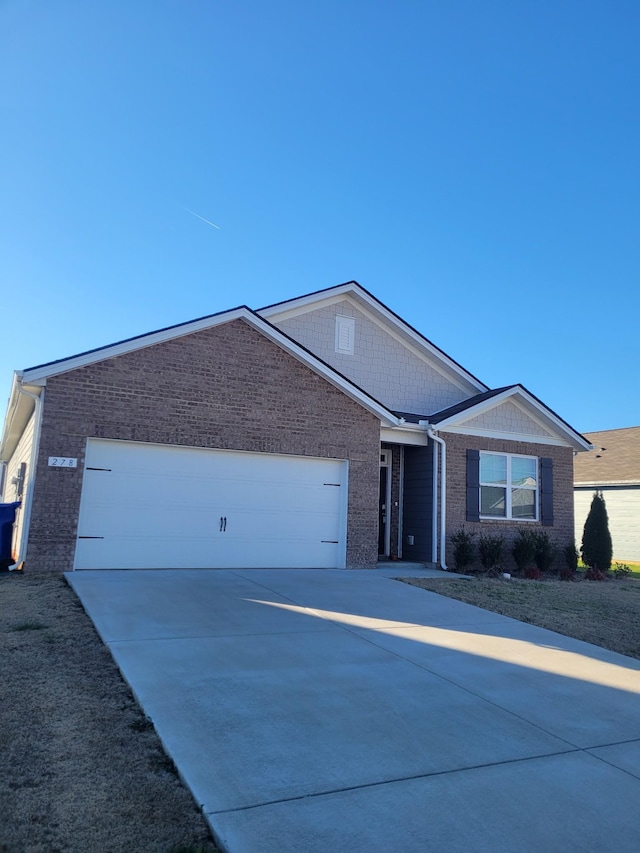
19,410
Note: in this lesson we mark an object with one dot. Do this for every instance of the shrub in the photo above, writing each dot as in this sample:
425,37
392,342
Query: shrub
570,553
596,539
523,548
491,552
463,550
621,570
593,574
545,550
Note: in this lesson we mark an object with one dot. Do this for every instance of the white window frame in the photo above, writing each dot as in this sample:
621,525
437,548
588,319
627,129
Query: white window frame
509,487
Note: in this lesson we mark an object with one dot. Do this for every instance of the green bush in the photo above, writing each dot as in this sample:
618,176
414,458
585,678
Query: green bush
570,553
621,570
491,552
463,550
523,548
545,550
596,548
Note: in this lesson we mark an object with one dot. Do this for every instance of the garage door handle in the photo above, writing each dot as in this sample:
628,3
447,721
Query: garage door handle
223,523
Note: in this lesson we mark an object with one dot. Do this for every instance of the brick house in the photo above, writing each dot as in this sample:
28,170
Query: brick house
324,431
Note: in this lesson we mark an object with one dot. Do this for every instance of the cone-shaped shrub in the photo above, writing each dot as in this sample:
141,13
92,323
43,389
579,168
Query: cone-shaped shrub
596,540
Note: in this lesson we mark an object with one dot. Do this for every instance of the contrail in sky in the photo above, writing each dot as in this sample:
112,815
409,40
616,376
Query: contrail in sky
193,213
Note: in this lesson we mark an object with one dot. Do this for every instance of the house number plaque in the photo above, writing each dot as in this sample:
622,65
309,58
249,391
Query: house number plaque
63,462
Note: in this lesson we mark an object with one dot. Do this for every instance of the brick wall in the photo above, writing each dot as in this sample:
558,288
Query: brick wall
562,530
227,387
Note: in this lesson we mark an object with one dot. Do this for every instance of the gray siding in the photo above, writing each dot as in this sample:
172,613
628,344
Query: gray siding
21,454
385,367
507,417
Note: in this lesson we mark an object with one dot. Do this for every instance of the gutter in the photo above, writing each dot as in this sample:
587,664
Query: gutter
35,446
443,496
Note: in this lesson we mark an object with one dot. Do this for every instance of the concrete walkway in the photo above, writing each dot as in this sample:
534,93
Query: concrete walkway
344,712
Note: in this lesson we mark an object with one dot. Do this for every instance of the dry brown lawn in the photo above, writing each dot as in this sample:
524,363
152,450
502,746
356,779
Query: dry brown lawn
606,613
81,769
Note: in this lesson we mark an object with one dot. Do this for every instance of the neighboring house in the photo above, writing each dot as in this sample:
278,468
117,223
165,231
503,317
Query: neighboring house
324,431
613,469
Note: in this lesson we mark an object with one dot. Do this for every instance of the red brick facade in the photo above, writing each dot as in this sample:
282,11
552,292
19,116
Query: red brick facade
562,531
227,387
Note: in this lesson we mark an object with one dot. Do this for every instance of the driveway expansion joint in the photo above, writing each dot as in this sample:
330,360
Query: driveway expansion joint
392,781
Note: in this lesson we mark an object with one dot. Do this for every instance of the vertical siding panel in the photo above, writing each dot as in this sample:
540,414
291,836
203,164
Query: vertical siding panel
418,503
21,454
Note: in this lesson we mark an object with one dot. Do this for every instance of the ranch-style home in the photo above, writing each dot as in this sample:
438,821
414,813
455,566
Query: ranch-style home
323,431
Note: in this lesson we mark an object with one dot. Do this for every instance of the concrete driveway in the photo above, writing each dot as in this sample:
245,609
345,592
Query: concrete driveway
343,711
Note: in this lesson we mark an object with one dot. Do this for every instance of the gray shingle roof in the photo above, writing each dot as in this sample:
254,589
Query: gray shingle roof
616,458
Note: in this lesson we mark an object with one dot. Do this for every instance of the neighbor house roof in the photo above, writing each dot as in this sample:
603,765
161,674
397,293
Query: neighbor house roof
614,461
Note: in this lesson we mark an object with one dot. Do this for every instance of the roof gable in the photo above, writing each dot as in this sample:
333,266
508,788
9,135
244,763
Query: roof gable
509,413
377,313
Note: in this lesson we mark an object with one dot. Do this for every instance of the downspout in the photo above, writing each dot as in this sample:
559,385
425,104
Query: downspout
401,503
443,493
28,502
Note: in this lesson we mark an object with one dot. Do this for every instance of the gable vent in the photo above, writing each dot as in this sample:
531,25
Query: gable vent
345,334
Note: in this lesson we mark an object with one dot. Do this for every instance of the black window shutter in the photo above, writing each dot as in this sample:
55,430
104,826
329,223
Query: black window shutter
473,485
546,492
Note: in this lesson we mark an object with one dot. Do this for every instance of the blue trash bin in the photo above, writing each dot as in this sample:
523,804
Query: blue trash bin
7,518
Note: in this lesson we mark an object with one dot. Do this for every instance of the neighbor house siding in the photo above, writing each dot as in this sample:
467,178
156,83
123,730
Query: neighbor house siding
623,510
562,530
22,454
226,387
380,363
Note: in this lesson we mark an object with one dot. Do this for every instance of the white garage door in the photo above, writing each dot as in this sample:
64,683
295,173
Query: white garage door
149,506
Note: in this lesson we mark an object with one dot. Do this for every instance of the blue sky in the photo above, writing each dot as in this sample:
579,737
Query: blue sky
472,164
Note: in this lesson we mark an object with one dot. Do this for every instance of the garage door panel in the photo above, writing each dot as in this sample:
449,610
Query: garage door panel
98,554
124,520
154,506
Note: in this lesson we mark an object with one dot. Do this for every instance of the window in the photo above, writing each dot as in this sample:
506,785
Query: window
508,486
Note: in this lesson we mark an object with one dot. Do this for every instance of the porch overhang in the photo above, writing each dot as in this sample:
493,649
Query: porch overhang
404,434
